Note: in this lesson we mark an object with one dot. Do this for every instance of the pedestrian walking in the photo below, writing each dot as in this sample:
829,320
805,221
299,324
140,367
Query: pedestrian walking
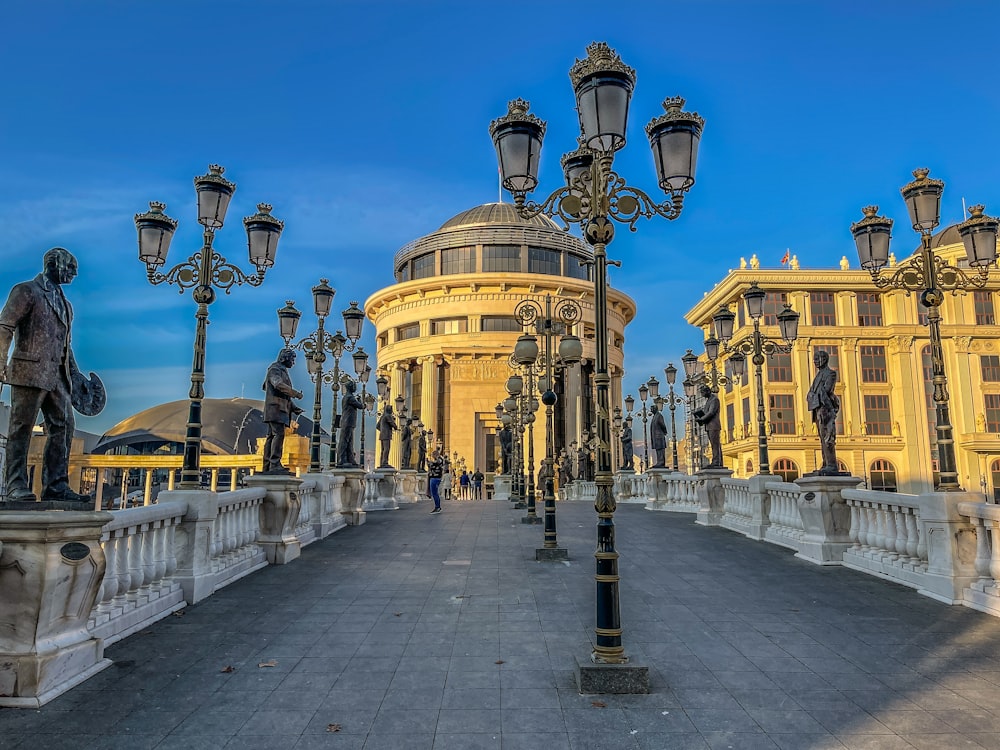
446,479
435,473
464,486
477,485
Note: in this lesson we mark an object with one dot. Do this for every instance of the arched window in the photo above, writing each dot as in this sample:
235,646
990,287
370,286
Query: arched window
883,476
995,479
841,466
786,469
749,467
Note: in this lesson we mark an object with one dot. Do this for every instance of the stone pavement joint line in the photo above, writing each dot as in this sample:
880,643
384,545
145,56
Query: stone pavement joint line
442,633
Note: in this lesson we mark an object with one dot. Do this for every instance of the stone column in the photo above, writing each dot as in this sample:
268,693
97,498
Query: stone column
389,483
826,518
352,495
279,513
760,506
193,542
711,496
951,545
51,568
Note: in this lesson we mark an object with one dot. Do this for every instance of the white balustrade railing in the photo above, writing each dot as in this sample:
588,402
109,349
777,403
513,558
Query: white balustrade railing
674,492
887,535
984,592
785,527
234,551
631,488
737,508
138,588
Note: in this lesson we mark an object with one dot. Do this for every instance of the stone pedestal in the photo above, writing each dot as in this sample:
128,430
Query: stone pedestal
620,679
951,545
826,518
711,496
51,568
387,485
353,495
279,513
406,486
501,487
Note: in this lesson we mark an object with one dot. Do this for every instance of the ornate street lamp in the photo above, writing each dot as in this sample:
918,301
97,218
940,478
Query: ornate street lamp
758,345
524,356
513,404
644,413
932,276
204,271
595,197
548,323
670,372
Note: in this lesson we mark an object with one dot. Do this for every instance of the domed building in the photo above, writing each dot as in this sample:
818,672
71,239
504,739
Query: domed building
446,329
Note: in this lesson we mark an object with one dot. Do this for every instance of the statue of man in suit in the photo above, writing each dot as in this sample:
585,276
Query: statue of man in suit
43,376
350,405
278,409
824,405
386,426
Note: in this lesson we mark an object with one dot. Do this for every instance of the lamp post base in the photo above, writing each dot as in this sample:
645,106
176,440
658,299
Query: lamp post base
531,519
619,679
551,554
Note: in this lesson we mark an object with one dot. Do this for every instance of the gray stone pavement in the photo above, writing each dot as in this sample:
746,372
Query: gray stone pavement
441,632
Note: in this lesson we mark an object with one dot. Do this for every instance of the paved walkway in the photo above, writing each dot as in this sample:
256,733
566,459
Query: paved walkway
441,632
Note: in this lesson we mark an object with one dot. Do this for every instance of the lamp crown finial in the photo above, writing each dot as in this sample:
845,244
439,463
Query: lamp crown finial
871,212
216,169
976,212
921,173
155,207
600,58
265,208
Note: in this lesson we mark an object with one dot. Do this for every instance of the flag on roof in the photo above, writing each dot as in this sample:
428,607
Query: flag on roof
787,256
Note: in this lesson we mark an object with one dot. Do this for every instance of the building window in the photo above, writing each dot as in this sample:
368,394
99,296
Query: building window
423,266
383,340
995,480
577,267
404,272
774,303
731,421
458,260
749,467
781,414
779,368
921,313
449,325
499,323
883,476
983,302
541,260
501,259
992,403
824,308
747,417
786,469
873,364
413,381
869,309
410,331
931,408
878,420
990,365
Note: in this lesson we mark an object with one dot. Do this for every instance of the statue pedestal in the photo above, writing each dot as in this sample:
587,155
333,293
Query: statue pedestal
711,496
501,487
407,490
51,568
826,518
387,487
279,513
353,495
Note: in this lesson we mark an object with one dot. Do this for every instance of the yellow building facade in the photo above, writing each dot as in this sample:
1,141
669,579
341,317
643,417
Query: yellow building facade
878,342
446,329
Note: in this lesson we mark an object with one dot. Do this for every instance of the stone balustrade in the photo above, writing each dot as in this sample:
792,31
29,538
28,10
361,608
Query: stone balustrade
673,492
629,487
784,521
579,491
984,592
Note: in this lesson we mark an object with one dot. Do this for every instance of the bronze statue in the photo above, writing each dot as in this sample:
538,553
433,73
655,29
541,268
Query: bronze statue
628,452
565,470
278,409
406,444
824,405
386,426
350,405
422,451
708,417
658,437
43,376
506,448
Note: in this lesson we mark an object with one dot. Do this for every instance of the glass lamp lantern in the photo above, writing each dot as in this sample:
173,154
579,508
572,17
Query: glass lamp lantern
788,323
690,364
570,349
518,140
360,358
654,387
526,350
629,403
603,86
288,321
354,318
155,229
323,298
738,365
923,200
724,321
263,233
871,236
674,138
670,373
382,385
214,193
979,235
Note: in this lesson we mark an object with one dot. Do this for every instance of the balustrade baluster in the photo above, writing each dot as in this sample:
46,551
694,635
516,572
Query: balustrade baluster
890,533
912,534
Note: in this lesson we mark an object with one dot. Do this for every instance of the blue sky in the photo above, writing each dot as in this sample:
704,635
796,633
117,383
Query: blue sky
365,125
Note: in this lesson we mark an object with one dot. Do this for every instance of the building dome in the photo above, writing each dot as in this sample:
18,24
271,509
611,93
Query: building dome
229,426
496,213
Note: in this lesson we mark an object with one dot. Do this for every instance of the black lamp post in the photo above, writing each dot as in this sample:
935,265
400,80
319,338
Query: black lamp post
514,387
758,345
594,197
693,373
670,372
204,271
932,276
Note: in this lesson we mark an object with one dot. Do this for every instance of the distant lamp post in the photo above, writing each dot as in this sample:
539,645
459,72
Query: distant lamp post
694,370
644,414
525,355
205,271
757,345
513,404
932,276
670,372
595,197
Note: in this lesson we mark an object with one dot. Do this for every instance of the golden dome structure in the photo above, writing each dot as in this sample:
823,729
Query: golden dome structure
446,329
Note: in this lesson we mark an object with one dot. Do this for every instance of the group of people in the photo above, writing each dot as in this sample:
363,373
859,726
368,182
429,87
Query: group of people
441,480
